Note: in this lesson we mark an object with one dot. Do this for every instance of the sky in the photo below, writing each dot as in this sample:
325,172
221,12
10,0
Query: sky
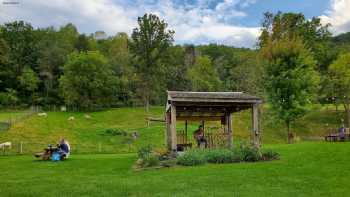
230,22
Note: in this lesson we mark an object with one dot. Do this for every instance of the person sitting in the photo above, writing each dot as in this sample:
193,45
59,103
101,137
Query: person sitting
341,131
199,136
64,149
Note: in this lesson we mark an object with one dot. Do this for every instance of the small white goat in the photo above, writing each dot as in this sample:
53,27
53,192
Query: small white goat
42,114
71,118
87,116
6,145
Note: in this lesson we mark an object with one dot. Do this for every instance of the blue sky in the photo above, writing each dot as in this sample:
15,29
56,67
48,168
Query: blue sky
229,22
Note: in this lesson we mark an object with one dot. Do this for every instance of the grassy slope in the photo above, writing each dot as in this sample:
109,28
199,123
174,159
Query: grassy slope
305,169
85,134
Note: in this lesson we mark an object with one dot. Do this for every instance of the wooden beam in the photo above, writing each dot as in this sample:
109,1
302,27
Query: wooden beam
216,101
167,131
199,114
173,128
255,126
186,129
200,118
229,129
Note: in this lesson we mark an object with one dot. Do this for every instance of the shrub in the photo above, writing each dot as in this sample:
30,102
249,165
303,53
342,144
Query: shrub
250,153
192,158
270,155
168,163
115,132
150,160
147,158
221,156
144,151
244,152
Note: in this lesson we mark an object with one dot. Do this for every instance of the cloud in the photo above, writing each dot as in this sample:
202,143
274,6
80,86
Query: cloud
197,22
88,15
338,16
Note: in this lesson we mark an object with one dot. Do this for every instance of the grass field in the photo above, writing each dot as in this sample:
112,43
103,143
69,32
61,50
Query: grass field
88,136
305,169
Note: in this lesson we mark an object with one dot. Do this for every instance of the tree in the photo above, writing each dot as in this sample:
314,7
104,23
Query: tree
22,50
3,64
291,80
149,44
339,81
119,57
53,51
82,43
175,69
289,25
88,80
246,75
29,81
203,75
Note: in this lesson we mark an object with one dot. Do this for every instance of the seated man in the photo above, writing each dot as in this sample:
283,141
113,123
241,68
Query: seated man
341,131
199,136
64,149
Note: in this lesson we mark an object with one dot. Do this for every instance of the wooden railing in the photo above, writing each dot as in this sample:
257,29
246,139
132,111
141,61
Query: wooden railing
215,139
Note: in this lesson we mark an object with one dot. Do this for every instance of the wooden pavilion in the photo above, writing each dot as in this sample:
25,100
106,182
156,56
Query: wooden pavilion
209,106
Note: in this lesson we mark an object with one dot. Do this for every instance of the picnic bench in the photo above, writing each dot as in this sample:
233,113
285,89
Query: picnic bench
334,136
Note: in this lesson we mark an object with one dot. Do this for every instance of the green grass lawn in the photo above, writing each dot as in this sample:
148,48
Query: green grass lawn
85,135
6,115
305,169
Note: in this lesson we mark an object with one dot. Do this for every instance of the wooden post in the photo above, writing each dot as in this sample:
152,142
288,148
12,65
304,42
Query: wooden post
255,125
21,148
229,129
186,123
173,128
168,130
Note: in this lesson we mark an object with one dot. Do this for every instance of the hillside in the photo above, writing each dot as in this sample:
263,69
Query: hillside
343,38
90,135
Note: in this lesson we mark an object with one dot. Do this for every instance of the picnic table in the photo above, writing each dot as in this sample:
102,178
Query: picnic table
334,137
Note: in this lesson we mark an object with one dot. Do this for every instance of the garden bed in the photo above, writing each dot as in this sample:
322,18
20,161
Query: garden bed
155,159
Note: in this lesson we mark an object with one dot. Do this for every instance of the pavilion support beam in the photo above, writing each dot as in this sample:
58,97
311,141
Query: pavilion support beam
173,128
229,130
255,126
167,130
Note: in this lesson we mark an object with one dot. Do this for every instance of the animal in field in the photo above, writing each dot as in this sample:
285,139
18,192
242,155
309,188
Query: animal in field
42,114
87,116
71,118
6,145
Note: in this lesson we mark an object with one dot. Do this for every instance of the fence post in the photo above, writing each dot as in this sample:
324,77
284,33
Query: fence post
21,148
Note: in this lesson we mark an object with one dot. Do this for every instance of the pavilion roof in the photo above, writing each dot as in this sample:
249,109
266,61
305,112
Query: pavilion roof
210,99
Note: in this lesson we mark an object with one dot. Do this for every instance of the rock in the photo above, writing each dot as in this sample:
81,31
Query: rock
71,118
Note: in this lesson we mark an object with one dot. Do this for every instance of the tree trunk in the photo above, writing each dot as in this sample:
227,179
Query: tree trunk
288,132
147,103
347,112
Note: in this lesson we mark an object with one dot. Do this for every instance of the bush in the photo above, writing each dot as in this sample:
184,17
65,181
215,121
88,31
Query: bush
270,155
115,132
147,158
144,151
250,153
150,160
168,163
244,152
192,158
221,156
